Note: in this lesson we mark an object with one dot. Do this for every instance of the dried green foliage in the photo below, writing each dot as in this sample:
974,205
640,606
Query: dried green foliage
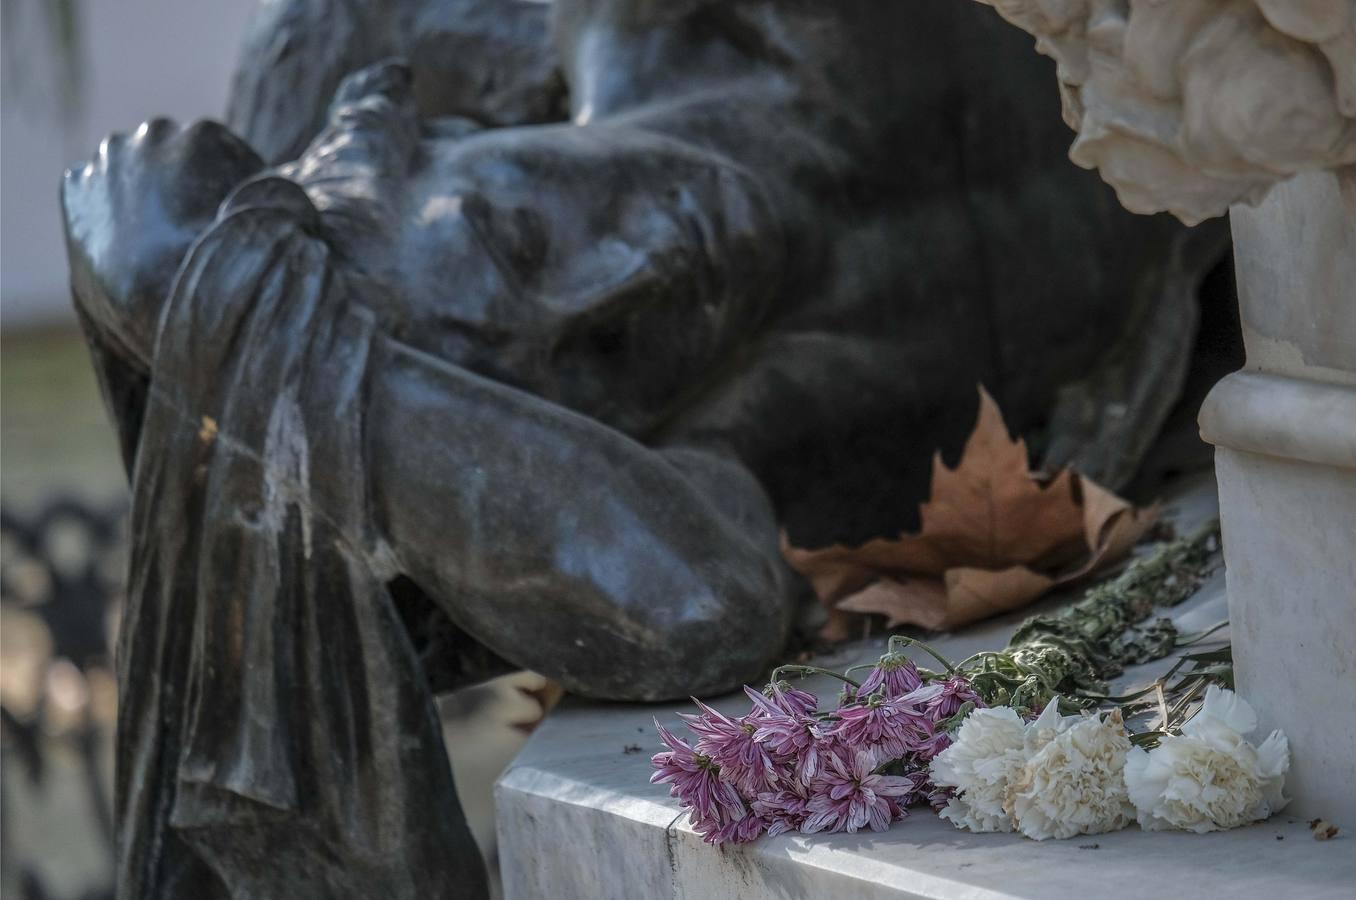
1074,652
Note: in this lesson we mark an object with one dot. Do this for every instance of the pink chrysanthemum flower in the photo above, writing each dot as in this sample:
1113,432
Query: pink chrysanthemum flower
789,700
784,766
891,727
929,745
938,797
772,704
849,795
736,831
731,745
895,673
796,740
899,806
955,692
783,810
694,780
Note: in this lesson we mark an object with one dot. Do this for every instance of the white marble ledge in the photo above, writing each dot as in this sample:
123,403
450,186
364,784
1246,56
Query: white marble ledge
583,822
577,817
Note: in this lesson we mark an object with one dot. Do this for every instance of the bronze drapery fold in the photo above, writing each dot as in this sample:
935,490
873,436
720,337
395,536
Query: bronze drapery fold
284,700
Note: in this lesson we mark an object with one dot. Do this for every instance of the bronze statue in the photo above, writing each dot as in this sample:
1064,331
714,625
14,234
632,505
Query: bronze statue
520,354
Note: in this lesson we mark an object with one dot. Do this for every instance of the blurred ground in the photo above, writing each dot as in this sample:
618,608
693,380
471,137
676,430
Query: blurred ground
54,437
55,759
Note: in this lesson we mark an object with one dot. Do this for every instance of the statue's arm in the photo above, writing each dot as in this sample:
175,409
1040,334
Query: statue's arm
488,61
293,58
566,547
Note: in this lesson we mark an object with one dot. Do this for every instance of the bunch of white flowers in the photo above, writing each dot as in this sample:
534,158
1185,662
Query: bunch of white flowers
1055,777
982,763
1209,777
1061,776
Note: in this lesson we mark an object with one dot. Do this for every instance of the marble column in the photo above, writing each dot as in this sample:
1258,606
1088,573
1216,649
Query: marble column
1284,429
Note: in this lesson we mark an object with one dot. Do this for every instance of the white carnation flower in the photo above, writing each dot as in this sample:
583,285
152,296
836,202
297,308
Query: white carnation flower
987,752
985,762
1210,777
1075,782
1046,727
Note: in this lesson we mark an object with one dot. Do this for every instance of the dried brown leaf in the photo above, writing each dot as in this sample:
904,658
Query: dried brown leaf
993,539
920,601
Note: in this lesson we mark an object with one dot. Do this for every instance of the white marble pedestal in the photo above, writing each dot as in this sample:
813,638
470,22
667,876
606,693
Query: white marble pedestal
578,819
1285,435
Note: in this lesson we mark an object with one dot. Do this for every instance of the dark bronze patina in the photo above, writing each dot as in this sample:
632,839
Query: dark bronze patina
517,354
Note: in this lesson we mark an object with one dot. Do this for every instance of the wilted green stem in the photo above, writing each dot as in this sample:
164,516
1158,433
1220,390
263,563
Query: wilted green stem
1187,640
803,671
914,642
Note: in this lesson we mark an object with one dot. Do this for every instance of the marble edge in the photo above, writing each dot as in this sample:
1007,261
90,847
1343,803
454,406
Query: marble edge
889,867
557,788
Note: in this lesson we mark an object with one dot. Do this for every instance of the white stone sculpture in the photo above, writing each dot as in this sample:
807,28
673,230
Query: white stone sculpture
1192,105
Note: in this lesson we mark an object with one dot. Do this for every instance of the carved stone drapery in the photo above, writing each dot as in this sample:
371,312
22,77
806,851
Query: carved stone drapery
1192,105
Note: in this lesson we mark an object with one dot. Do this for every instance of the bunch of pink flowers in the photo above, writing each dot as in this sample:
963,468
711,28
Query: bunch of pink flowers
788,766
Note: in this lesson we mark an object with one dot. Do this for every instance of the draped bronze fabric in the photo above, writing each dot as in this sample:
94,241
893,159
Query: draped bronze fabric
274,739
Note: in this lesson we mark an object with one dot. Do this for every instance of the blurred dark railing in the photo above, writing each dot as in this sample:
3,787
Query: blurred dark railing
61,577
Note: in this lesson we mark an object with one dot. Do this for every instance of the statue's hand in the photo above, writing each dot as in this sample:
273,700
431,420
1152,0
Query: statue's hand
131,214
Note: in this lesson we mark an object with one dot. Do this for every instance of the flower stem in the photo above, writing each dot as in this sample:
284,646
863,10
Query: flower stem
1147,738
803,671
981,655
1186,640
914,642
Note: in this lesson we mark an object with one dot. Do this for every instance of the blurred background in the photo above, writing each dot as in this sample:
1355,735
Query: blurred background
71,72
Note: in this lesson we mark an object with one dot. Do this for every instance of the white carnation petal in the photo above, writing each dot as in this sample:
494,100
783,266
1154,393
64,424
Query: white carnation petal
1273,757
1142,787
961,815
1049,719
1225,706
